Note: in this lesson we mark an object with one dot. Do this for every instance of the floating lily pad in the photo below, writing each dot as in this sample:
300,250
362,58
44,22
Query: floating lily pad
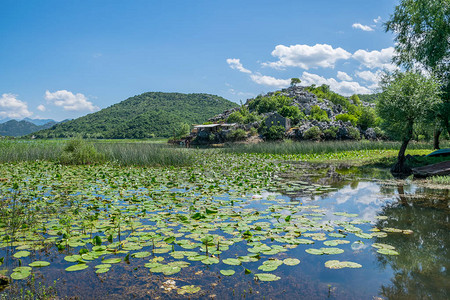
314,251
291,261
102,270
232,261
77,267
20,275
112,261
266,277
387,251
72,258
21,254
39,263
227,272
210,260
188,289
141,254
336,264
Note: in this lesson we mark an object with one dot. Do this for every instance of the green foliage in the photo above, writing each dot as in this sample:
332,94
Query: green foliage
313,133
347,118
407,98
354,133
355,99
143,116
237,135
275,132
368,118
183,130
269,103
236,117
330,133
295,81
292,112
318,114
370,98
79,152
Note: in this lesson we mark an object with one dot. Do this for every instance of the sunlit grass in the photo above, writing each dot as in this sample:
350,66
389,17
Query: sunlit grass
440,179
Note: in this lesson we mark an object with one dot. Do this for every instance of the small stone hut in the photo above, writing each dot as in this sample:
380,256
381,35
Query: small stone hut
276,119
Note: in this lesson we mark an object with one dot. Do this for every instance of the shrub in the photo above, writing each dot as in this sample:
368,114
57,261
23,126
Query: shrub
79,152
274,133
318,114
354,133
313,133
368,118
346,118
330,133
292,112
237,135
236,117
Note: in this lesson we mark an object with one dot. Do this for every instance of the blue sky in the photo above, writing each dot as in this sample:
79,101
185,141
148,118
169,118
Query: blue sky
65,59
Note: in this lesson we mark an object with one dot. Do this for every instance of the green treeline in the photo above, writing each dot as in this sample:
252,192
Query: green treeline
153,114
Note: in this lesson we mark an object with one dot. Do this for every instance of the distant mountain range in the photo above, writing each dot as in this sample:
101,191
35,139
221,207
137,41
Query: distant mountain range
142,116
24,127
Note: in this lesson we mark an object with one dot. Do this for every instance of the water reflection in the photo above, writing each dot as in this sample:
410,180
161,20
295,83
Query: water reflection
421,271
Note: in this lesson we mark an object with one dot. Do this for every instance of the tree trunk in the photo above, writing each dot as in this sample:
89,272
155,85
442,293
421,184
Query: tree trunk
400,167
437,134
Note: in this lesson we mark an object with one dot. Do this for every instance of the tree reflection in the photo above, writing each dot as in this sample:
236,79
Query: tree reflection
422,270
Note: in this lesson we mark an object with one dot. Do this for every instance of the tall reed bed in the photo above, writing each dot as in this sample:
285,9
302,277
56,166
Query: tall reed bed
30,150
307,147
79,151
145,154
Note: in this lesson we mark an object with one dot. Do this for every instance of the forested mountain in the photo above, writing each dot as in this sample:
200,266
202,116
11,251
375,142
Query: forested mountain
142,116
19,128
371,98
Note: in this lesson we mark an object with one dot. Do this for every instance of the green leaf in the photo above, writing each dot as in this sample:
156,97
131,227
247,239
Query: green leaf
387,251
141,254
232,261
266,277
77,267
291,261
21,254
210,260
227,272
20,275
39,263
188,289
112,261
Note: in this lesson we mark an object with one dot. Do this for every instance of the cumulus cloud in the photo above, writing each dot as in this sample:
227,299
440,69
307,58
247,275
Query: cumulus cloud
369,76
346,88
343,76
376,59
11,107
41,108
306,57
270,81
235,63
69,101
362,27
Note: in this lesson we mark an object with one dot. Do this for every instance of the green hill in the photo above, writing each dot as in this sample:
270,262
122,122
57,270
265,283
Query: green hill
146,115
19,128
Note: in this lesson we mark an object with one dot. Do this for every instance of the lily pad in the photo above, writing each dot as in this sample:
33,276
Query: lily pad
387,251
227,272
210,260
112,261
77,267
314,251
141,254
232,261
266,277
39,263
188,289
291,261
20,275
21,254
336,264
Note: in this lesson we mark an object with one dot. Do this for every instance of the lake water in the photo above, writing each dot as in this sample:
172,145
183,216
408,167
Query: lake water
308,205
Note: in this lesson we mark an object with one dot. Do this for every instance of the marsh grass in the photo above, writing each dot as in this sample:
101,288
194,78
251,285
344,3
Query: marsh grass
88,152
145,154
289,147
440,179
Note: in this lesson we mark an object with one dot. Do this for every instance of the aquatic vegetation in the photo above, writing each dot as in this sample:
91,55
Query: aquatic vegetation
214,216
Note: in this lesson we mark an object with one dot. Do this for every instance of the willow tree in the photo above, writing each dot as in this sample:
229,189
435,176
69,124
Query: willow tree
407,100
422,35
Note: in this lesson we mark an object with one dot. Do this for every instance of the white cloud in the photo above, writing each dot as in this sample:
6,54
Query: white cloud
376,59
235,63
69,101
306,57
11,107
369,76
362,27
41,108
377,20
346,88
343,76
270,81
